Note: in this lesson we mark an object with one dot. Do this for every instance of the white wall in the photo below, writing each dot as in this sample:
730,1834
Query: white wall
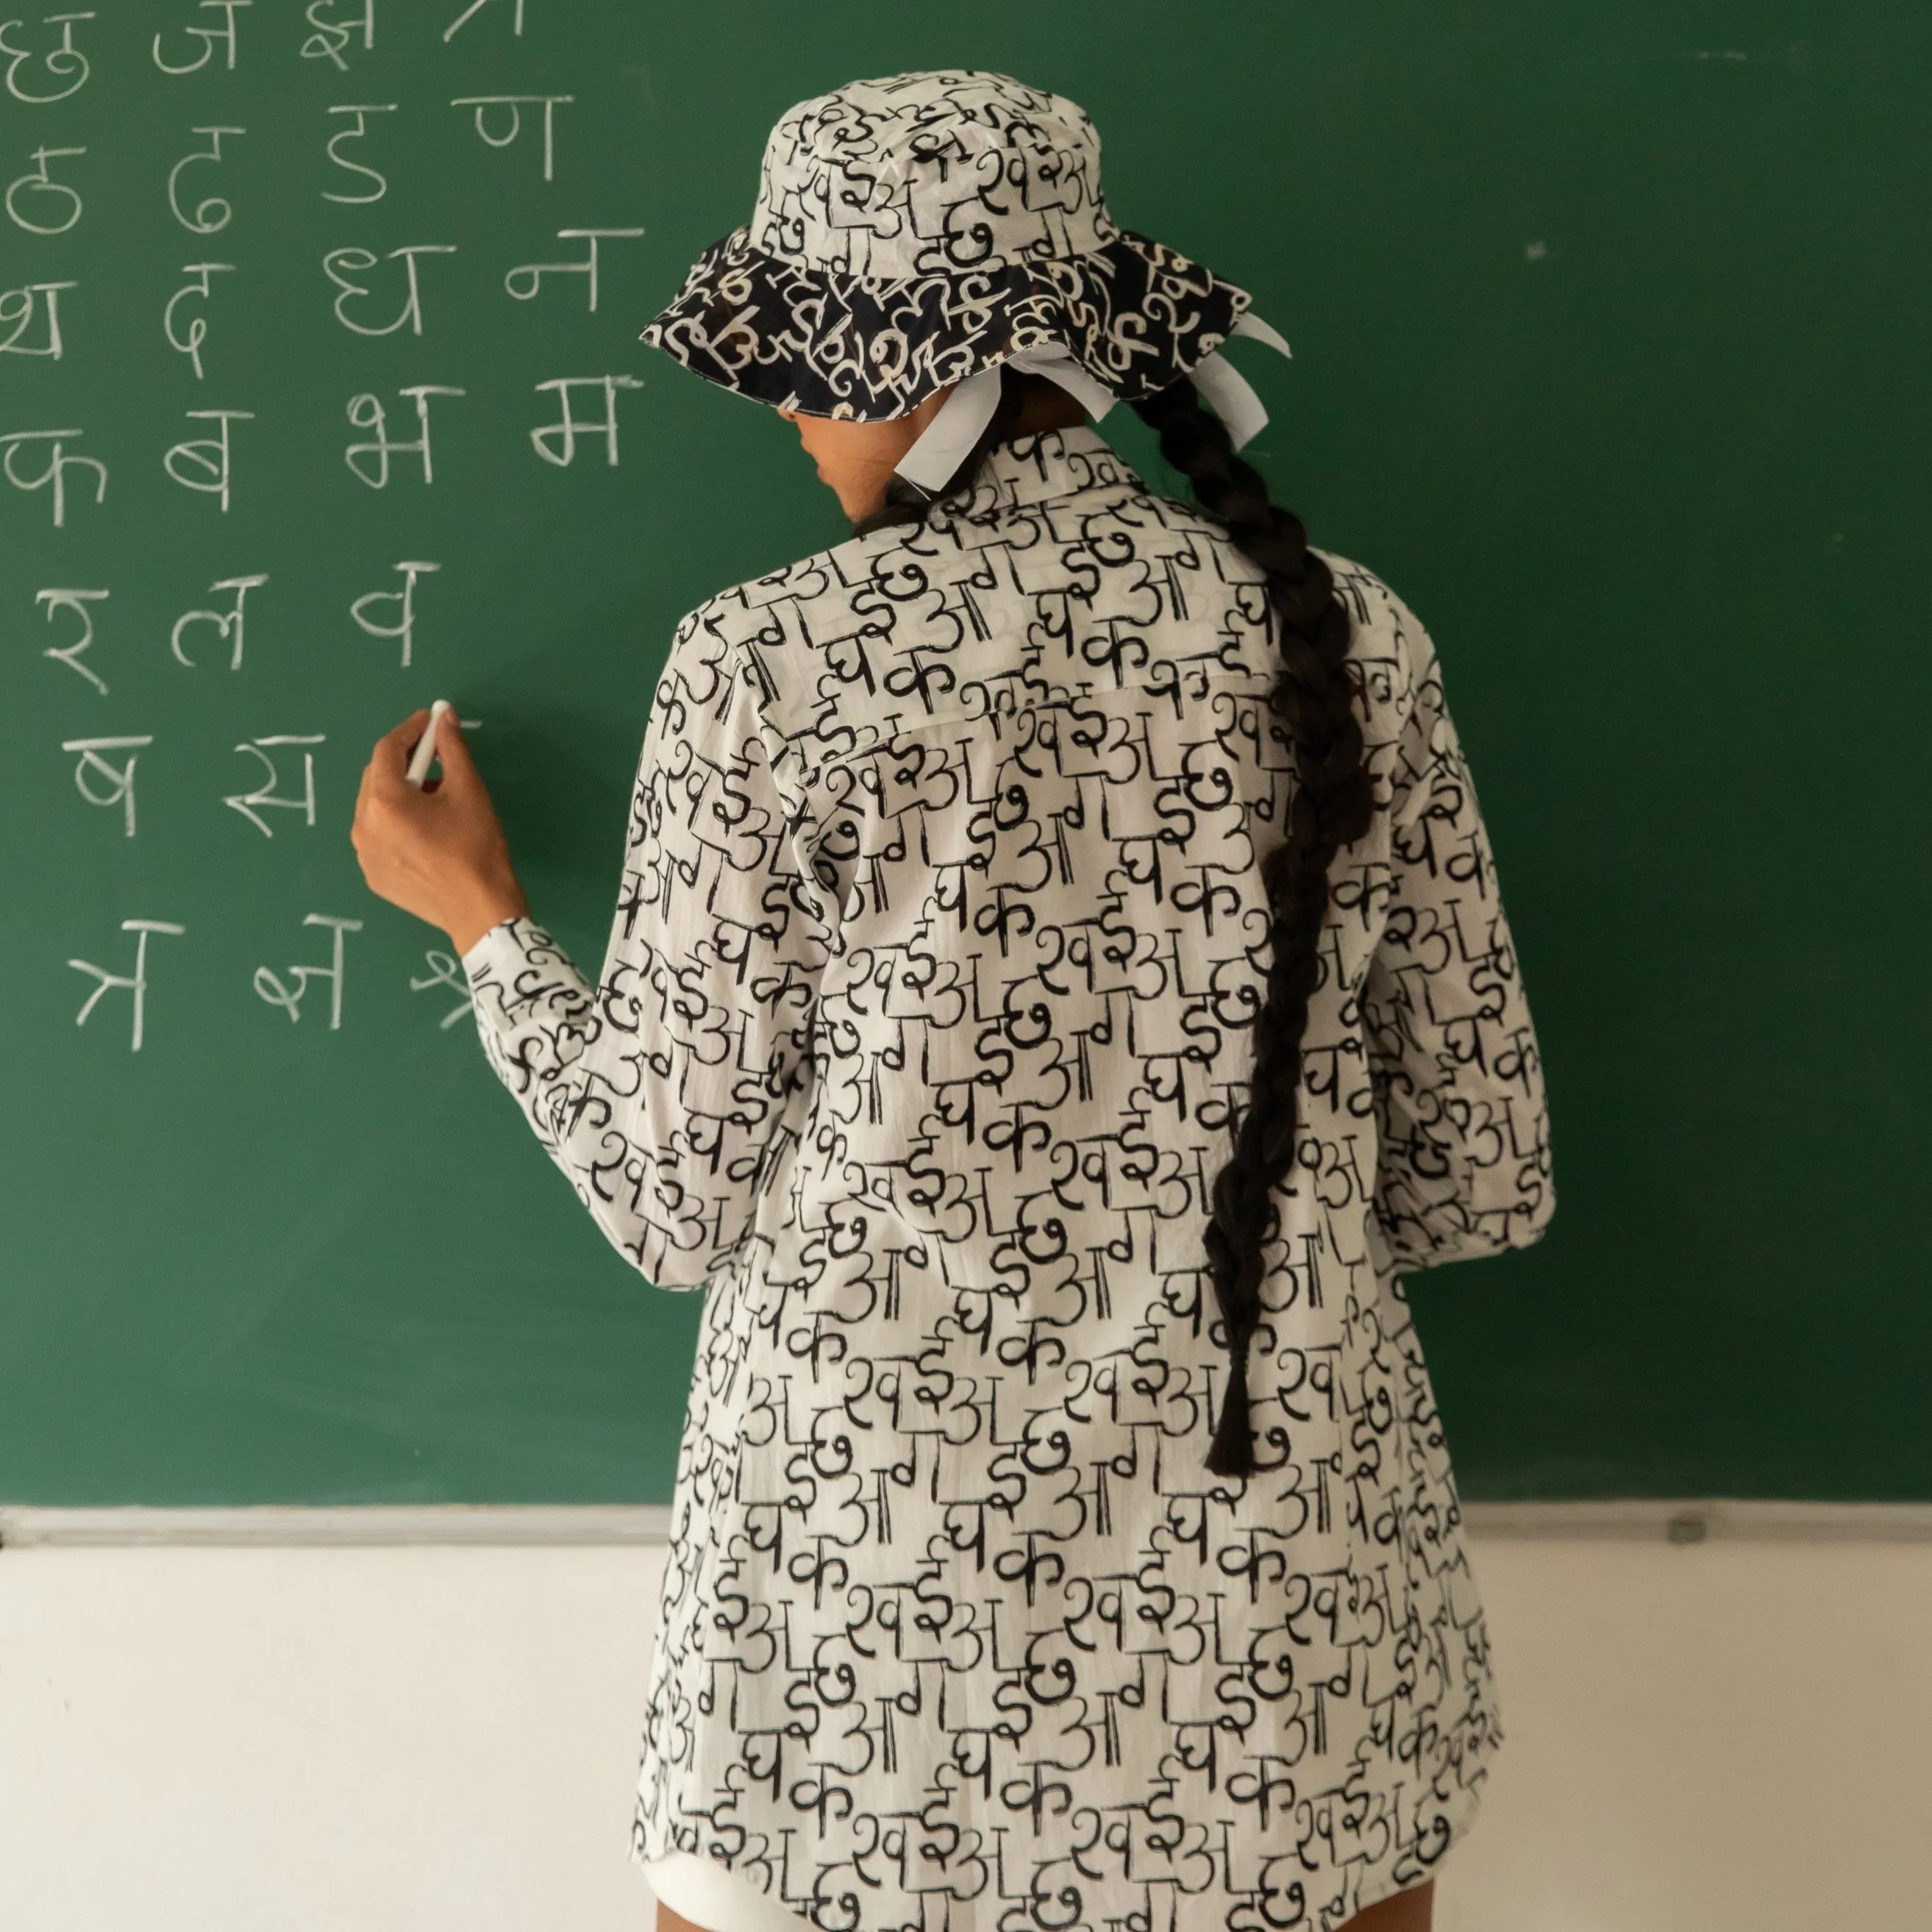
1735,1737
1731,1737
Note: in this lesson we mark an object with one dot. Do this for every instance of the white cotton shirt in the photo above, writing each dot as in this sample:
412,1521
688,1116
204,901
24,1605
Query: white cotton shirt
927,1001
712,1895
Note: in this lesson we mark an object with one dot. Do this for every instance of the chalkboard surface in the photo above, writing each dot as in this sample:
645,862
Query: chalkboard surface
320,396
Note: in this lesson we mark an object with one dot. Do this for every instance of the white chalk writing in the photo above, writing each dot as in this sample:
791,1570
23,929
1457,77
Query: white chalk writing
119,779
360,261
516,103
70,655
404,600
444,970
271,987
135,983
366,411
209,37
533,272
556,442
356,133
60,461
40,182
202,463
66,59
197,327
264,794
331,36
19,307
227,623
476,7
214,213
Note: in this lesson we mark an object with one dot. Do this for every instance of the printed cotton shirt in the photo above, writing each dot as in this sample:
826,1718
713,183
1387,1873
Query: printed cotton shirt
927,1001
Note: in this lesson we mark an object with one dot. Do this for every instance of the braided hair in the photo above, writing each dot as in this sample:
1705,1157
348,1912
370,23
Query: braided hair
1334,804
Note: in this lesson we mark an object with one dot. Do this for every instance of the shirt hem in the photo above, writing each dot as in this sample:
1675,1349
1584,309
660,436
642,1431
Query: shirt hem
713,1896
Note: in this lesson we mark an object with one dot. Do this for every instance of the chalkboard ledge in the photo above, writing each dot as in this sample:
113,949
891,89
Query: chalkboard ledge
284,1526
1690,1520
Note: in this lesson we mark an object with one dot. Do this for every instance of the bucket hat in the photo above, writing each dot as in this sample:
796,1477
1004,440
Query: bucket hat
924,228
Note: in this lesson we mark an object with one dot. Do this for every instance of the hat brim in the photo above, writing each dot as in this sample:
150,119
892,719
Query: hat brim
1137,316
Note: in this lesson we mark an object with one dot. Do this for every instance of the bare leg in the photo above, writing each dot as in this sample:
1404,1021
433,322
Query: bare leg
1406,1911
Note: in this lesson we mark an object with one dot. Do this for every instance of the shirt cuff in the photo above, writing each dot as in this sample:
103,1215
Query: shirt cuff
506,946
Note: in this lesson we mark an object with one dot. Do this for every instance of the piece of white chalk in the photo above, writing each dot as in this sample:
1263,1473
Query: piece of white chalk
418,771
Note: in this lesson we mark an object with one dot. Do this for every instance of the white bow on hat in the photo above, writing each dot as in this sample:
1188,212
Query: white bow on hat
963,417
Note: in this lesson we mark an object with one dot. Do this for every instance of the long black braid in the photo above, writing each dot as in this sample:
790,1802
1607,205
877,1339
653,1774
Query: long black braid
1334,804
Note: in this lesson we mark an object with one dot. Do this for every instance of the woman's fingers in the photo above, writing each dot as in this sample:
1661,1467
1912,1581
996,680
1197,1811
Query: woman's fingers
459,769
438,853
390,760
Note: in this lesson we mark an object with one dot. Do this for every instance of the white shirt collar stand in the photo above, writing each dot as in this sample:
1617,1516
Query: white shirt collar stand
1053,463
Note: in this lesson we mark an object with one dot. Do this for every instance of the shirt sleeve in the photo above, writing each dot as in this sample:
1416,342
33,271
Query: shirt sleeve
1464,1166
670,1093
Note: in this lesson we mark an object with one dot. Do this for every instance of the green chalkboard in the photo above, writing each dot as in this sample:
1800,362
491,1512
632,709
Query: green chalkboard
1608,333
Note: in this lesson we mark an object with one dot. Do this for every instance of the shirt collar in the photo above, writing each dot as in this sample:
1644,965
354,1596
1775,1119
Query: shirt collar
1055,463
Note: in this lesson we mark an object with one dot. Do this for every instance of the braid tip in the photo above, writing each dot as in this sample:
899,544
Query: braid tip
1232,1451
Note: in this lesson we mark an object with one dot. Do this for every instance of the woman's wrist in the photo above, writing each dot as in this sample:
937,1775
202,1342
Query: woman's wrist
484,910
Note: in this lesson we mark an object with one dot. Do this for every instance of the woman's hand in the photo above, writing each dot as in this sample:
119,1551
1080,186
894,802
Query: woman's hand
438,853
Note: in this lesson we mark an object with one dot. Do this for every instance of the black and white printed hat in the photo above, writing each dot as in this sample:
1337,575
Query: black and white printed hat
924,228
